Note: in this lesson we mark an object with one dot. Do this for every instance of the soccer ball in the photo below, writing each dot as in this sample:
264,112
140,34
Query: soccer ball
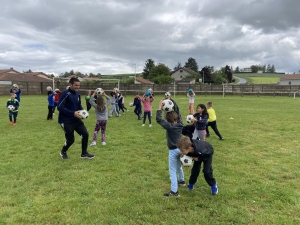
84,114
116,89
148,93
189,118
167,95
10,107
99,91
150,89
130,104
190,90
186,160
167,105
48,88
15,86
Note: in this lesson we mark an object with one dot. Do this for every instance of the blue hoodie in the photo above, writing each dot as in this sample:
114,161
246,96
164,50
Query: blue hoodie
69,102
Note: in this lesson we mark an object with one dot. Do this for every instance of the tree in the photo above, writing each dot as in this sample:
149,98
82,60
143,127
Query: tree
268,68
191,64
148,65
237,70
178,66
254,68
272,69
29,71
163,79
159,70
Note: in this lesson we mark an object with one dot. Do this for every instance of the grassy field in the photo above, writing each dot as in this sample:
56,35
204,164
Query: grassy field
256,167
265,78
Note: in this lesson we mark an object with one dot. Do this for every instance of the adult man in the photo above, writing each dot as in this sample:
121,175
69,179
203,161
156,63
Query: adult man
70,120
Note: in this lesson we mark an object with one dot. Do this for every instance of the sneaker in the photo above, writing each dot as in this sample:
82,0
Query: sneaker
181,183
63,155
150,125
14,124
93,143
10,122
143,125
103,143
221,139
190,187
171,193
53,114
214,189
87,156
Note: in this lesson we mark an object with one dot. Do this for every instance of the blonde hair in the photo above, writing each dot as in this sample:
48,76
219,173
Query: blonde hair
209,103
184,142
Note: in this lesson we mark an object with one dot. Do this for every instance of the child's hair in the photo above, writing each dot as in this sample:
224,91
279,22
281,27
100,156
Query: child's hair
100,103
184,142
49,92
172,117
209,103
202,106
137,93
12,94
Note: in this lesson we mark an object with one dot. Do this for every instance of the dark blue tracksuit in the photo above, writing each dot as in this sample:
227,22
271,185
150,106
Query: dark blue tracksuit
69,102
138,107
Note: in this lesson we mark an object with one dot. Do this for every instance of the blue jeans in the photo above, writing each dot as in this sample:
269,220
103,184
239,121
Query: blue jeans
175,167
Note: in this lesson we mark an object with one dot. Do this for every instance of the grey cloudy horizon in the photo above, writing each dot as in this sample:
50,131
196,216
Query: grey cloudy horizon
113,37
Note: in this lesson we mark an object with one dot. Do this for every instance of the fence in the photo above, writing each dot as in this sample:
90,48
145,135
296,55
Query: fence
38,88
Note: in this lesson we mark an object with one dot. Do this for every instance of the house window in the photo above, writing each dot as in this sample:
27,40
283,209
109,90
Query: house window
290,83
181,71
180,76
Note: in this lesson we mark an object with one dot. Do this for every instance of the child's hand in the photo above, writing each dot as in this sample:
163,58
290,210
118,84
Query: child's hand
89,93
95,93
160,104
196,158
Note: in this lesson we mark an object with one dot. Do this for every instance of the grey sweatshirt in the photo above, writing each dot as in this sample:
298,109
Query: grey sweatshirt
174,130
103,114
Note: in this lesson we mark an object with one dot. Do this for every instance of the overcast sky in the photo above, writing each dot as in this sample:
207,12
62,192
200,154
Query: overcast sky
112,36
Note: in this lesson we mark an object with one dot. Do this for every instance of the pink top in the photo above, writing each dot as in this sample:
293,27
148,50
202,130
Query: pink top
147,104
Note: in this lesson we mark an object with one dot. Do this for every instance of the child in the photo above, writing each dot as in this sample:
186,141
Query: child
191,95
13,113
16,90
173,129
50,104
147,101
123,104
113,105
212,121
138,106
200,120
56,98
201,151
120,101
101,115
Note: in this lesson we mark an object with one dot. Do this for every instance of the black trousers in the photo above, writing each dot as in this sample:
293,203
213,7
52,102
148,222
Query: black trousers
213,125
50,112
138,111
149,117
207,170
80,129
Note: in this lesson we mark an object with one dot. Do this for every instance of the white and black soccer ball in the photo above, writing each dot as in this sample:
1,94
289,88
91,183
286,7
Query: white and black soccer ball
99,91
189,118
10,107
84,114
167,105
15,86
186,160
48,88
150,90
130,104
116,89
167,95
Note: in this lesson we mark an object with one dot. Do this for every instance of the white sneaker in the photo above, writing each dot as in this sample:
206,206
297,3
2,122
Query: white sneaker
143,125
103,143
150,125
93,143
53,114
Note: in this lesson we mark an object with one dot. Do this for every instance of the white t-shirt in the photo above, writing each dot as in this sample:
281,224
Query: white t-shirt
191,97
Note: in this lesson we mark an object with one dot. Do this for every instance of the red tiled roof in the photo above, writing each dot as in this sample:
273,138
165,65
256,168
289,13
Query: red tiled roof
27,77
143,81
291,77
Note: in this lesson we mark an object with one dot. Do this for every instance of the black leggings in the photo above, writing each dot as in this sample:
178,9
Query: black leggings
149,117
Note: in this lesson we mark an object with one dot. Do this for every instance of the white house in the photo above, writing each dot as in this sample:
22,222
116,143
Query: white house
181,73
290,79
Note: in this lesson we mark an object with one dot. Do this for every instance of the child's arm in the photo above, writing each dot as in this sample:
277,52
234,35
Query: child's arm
91,101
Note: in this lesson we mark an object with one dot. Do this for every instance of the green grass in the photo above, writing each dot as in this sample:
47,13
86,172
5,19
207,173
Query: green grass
256,167
264,78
